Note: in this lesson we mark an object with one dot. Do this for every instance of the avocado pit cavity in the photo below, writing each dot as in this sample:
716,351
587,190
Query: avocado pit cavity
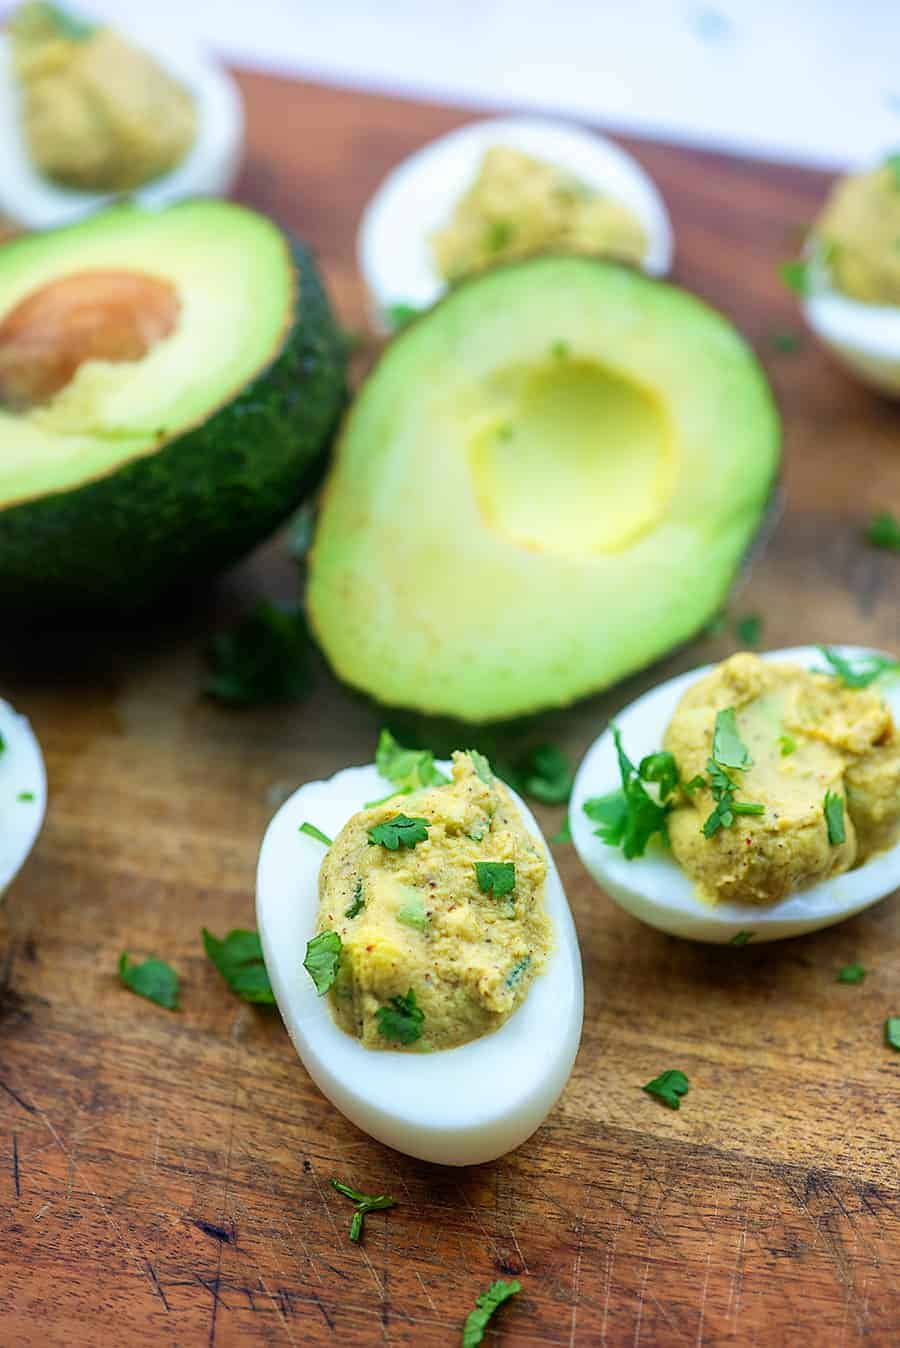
92,315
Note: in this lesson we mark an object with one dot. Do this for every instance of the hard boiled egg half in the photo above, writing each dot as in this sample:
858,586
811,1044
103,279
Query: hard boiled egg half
457,1106
420,195
656,890
23,792
864,337
208,169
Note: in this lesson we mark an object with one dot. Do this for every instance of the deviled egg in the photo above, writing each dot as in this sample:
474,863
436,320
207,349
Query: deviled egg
488,188
775,781
852,274
439,1007
94,103
23,792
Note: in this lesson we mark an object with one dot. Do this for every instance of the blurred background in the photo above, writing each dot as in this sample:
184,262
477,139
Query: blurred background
815,81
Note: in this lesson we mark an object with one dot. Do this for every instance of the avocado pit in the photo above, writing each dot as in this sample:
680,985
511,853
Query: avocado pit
92,315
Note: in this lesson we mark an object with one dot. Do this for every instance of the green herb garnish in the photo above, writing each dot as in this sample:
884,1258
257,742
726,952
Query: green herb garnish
485,1306
482,766
312,832
787,745
834,818
401,1020
749,629
728,749
153,979
496,877
741,938
67,24
365,1203
668,1087
401,831
883,531
25,797
796,276
399,316
323,959
662,769
695,784
516,972
858,672
852,973
786,341
892,162
266,657
892,1032
239,959
629,817
408,769
357,903
564,835
546,773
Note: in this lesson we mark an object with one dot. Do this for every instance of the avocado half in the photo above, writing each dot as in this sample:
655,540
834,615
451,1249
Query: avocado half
549,480
147,471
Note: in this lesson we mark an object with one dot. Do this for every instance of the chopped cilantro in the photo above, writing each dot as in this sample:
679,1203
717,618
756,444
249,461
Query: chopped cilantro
786,341
372,804
323,959
153,979
695,784
787,745
749,629
499,234
365,1203
852,973
741,938
546,773
312,832
892,162
629,817
485,1306
858,672
67,24
728,749
565,833
516,972
357,903
239,959
401,831
892,1032
883,531
668,1087
401,1020
795,275
264,658
399,316
413,914
834,818
482,766
25,797
662,769
723,790
496,877
408,769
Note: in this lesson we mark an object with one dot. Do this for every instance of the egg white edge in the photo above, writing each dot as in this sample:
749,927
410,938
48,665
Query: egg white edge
21,769
459,1106
209,168
419,195
865,336
642,724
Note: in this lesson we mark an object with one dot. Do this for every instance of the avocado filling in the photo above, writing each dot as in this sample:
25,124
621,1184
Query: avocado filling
111,316
609,477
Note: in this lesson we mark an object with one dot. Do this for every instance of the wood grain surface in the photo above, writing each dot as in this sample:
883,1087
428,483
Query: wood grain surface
164,1177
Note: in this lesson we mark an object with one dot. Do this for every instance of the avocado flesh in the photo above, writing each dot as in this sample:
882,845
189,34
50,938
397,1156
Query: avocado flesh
140,475
547,482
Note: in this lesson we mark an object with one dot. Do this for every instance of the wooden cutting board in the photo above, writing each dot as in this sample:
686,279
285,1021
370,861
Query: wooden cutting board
164,1177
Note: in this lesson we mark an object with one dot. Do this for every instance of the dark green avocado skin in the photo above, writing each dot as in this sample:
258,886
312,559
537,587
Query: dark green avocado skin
177,516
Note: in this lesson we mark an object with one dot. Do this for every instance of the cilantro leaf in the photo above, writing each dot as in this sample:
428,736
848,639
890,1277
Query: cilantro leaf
357,903
68,24
629,817
401,1020
611,813
668,1086
892,1032
741,938
834,818
787,745
25,797
312,832
365,1203
852,973
662,769
546,774
323,959
884,531
749,629
266,657
399,316
401,831
482,766
723,790
485,1306
785,341
496,877
695,784
239,959
408,769
795,275
153,979
858,673
728,749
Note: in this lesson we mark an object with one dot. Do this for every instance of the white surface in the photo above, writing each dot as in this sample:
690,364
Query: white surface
459,1106
864,337
656,890
207,170
21,769
419,195
817,80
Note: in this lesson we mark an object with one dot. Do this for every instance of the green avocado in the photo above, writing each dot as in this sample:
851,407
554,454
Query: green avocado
148,469
548,481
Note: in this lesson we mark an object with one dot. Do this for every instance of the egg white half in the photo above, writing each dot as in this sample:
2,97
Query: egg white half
207,170
864,337
21,772
458,1106
419,196
656,890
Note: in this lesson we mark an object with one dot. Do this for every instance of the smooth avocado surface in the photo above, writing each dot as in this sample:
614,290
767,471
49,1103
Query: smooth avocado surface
548,481
169,381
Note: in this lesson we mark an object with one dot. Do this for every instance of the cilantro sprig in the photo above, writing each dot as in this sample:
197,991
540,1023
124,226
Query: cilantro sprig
669,1087
852,973
629,817
892,1032
401,1020
485,1306
859,672
883,531
728,751
546,774
323,960
239,959
365,1203
407,769
154,979
833,809
358,902
496,877
400,831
